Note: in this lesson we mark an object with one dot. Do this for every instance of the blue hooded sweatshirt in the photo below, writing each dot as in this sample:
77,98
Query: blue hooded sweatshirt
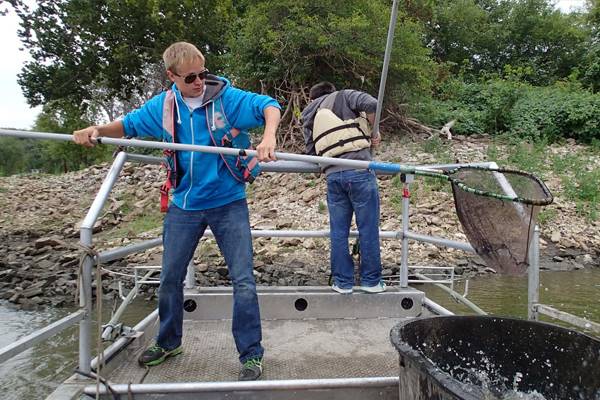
204,181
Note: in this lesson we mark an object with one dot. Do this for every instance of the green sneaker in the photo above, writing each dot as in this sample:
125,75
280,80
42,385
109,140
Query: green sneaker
251,370
155,355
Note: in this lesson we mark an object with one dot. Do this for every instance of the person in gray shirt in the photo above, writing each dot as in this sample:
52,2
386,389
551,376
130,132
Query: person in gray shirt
333,127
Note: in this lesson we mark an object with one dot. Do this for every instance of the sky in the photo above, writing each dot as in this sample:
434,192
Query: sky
14,110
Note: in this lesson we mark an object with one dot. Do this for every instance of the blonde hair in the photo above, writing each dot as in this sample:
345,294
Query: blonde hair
179,53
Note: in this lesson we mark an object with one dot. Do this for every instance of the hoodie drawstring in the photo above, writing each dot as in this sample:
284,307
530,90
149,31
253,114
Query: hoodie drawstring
213,127
178,115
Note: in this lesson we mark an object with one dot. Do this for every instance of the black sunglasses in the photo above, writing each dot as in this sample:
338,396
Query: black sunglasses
192,77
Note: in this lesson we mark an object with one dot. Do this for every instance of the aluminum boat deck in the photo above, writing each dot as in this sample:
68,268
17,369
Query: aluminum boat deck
319,345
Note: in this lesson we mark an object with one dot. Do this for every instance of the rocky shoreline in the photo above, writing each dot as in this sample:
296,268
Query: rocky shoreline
39,217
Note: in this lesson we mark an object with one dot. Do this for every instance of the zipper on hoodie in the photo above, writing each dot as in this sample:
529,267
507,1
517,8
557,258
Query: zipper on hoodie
191,158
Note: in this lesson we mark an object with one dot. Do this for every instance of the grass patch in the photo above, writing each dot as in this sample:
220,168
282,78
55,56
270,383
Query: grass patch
441,151
396,198
579,182
562,165
322,207
595,146
546,216
421,187
143,223
529,156
492,152
250,191
435,185
583,189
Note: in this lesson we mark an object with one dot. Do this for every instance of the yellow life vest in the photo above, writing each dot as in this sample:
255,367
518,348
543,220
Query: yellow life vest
333,136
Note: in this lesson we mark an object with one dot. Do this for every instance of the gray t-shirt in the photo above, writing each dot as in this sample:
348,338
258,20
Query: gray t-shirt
348,104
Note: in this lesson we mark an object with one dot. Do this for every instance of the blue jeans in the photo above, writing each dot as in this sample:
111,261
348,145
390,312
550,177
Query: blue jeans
348,192
181,232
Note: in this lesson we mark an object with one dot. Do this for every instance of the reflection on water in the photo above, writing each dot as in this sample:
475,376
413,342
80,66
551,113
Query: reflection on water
35,373
576,292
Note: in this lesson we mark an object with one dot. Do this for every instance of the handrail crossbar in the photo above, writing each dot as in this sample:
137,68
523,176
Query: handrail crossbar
40,335
534,307
568,318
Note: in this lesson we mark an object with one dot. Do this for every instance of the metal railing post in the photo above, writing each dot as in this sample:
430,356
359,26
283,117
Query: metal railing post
190,277
85,303
533,284
406,180
85,237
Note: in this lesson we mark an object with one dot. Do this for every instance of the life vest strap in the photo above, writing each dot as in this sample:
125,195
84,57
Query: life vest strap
338,128
340,143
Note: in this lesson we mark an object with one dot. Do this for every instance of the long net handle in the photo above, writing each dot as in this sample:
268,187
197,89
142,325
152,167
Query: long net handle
357,164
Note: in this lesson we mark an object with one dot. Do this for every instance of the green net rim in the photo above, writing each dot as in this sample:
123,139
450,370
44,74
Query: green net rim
548,199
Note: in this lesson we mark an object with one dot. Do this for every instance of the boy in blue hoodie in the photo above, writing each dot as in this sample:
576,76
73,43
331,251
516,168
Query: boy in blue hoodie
208,192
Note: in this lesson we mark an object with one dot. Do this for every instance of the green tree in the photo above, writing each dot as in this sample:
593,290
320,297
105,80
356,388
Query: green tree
61,156
486,36
548,41
454,29
13,156
590,66
283,47
80,47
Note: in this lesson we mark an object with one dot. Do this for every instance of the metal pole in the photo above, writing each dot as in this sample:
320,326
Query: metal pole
278,385
311,167
190,277
357,164
85,303
438,241
386,63
384,167
85,290
569,318
454,294
104,192
533,282
108,332
405,205
40,335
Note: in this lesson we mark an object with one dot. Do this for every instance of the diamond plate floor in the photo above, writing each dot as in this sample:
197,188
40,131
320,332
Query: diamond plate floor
295,349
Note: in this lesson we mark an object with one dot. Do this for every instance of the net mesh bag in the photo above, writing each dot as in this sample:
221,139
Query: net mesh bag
498,210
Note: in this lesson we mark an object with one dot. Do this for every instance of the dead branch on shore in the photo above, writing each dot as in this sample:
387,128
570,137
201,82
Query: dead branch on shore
291,137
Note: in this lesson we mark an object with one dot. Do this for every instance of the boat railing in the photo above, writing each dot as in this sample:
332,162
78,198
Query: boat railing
113,329
535,308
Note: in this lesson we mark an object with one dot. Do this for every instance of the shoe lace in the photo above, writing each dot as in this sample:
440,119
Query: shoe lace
253,362
155,348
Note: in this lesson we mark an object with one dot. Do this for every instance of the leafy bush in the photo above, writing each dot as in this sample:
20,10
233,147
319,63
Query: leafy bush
506,106
555,112
476,107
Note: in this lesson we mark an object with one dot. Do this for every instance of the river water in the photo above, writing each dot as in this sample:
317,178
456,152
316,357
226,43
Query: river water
35,373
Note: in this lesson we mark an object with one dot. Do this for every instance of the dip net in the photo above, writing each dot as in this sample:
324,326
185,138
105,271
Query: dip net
498,209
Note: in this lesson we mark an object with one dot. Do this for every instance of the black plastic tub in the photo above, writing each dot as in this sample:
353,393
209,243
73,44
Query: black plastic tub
472,357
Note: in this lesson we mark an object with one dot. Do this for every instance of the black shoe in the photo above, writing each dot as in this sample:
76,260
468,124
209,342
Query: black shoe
155,355
251,370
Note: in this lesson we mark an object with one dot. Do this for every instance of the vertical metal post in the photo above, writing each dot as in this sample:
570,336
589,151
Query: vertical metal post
406,179
190,277
85,236
533,289
386,63
85,303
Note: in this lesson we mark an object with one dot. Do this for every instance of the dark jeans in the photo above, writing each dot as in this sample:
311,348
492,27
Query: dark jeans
181,232
348,192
